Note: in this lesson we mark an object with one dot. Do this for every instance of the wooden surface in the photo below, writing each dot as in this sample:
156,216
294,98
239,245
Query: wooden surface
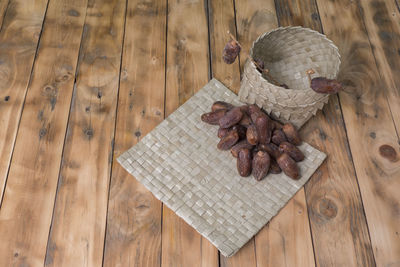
82,81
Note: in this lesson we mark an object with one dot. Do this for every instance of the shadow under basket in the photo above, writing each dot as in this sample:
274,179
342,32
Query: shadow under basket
288,52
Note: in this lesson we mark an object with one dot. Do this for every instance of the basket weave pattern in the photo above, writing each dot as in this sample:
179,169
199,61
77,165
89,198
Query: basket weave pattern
288,53
180,164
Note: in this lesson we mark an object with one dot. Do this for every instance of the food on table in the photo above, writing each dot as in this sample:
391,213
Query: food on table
231,50
326,86
260,144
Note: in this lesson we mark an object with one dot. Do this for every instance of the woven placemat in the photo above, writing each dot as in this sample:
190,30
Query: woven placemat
180,164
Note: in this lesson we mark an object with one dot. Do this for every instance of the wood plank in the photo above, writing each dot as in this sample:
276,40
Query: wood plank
371,132
26,18
286,239
82,192
187,72
332,193
25,215
382,22
133,235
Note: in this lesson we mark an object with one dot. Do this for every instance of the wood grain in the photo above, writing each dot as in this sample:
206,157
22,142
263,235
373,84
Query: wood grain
333,198
28,202
133,236
82,192
19,39
286,239
382,22
187,72
371,132
3,9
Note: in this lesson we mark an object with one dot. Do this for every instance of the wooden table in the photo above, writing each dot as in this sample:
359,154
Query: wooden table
82,81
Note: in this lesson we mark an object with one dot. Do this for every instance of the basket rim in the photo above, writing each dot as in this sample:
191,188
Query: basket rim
323,36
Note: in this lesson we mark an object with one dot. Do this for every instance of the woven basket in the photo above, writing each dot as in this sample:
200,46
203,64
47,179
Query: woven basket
288,53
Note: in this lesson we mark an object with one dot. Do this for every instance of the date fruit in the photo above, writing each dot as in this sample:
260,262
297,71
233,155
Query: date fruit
241,130
222,132
231,118
214,116
229,140
274,167
291,150
288,166
252,135
264,129
231,51
272,149
326,86
242,144
260,165
255,112
221,105
291,134
278,137
244,162
245,121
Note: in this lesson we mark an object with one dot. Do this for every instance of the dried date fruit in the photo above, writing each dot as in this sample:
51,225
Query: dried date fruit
264,129
222,132
244,109
251,134
229,140
245,121
326,86
291,150
242,144
231,51
221,105
272,149
277,125
260,165
259,64
213,117
278,137
231,118
274,167
288,166
255,112
244,162
241,130
291,134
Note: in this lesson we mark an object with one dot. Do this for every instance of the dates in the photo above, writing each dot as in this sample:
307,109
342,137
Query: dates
264,128
231,51
260,165
229,140
291,134
288,166
242,144
213,117
231,118
291,150
326,86
278,137
221,105
260,144
244,162
252,135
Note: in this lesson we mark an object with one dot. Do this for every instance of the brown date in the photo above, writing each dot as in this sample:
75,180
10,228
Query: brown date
241,130
231,51
255,112
245,121
278,137
274,167
231,118
213,117
244,162
259,64
326,86
291,150
260,165
288,166
291,134
277,125
251,134
242,144
221,105
272,149
244,109
264,129
229,140
222,132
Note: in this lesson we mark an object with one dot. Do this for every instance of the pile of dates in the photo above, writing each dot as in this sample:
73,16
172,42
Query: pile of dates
260,144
